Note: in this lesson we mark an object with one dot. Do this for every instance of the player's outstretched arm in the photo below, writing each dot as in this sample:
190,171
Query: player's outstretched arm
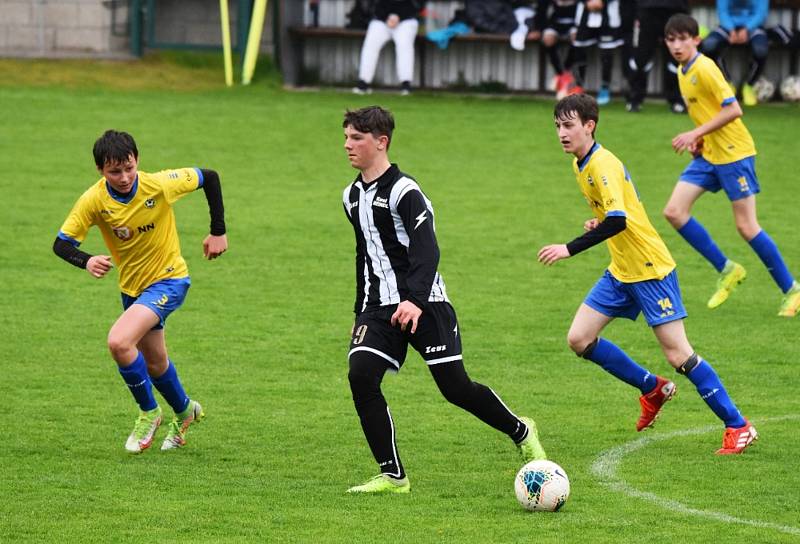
96,265
596,232
216,243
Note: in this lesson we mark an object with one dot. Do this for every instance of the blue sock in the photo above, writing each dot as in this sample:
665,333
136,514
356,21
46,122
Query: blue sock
714,394
169,385
617,363
699,238
135,376
770,255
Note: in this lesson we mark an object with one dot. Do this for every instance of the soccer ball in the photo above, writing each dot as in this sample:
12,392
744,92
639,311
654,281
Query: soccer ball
764,88
542,486
790,88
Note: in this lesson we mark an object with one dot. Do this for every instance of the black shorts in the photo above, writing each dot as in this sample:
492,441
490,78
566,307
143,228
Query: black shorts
437,339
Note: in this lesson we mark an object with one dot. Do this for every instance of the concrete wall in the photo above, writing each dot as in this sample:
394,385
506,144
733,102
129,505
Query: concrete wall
60,28
83,28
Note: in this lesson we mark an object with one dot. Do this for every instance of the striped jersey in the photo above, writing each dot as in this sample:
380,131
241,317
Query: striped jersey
396,250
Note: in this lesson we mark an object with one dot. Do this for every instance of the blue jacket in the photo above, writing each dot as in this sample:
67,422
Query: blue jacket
749,14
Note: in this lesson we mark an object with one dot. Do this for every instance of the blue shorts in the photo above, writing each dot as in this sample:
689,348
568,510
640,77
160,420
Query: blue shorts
163,297
659,300
737,178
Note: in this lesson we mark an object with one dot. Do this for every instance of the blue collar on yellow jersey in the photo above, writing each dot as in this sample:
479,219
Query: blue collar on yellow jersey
119,197
582,162
685,67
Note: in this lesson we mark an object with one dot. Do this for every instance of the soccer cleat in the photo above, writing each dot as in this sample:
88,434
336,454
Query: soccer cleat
731,276
749,96
633,107
736,440
144,430
530,448
176,436
603,96
383,483
791,302
653,401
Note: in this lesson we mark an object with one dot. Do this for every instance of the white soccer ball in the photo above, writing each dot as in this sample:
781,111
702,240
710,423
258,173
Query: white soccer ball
542,486
790,88
764,88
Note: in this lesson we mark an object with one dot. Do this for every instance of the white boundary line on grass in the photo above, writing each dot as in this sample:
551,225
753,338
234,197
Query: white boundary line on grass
605,468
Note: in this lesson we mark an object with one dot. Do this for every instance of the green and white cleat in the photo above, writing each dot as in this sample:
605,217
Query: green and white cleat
530,448
731,276
176,436
383,483
791,302
144,430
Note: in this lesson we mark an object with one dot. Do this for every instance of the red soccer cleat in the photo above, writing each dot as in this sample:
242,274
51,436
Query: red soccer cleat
736,440
653,401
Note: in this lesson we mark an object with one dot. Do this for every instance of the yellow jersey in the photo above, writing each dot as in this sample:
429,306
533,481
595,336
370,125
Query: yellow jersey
637,253
138,228
705,93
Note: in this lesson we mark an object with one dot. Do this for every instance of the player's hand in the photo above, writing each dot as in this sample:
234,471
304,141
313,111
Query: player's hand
407,312
99,265
552,253
590,224
214,246
594,5
696,148
393,20
682,141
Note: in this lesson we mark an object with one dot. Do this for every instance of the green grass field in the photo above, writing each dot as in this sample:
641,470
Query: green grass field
263,336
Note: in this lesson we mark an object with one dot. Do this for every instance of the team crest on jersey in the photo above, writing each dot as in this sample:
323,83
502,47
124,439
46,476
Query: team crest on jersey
693,79
149,203
123,233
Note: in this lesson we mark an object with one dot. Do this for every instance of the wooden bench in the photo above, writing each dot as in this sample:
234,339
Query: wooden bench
474,60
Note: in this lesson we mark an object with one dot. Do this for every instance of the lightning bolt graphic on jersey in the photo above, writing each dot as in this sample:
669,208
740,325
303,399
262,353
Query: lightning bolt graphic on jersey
421,219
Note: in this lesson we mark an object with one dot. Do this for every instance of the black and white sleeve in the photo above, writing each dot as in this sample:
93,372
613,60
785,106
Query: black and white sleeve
423,250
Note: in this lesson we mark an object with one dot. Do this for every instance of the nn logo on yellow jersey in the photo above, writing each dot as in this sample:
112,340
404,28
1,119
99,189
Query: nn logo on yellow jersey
666,307
125,233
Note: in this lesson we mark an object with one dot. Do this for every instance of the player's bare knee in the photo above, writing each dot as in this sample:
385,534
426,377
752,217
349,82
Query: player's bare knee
119,347
675,215
580,343
748,229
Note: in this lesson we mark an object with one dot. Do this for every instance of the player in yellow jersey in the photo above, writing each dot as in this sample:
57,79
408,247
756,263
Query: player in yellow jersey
133,210
724,158
641,278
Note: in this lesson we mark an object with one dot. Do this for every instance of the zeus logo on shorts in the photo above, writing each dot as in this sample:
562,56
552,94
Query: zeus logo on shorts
435,349
161,302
